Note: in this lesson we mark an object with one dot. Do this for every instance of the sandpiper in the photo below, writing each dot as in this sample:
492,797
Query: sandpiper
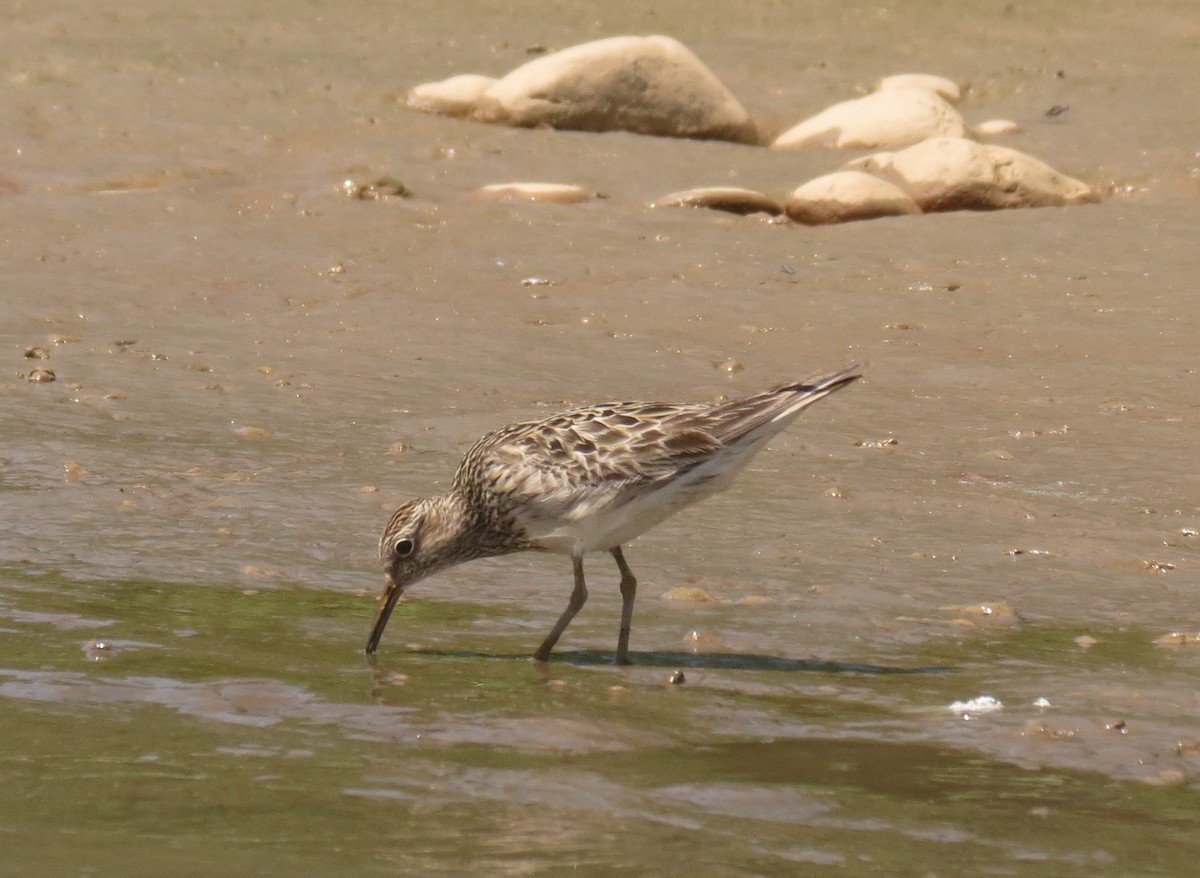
590,479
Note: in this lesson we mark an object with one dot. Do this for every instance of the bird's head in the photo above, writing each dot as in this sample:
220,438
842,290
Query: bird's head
422,537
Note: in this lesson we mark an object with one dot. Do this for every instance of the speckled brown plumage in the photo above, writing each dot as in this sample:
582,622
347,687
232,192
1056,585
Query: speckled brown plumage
585,480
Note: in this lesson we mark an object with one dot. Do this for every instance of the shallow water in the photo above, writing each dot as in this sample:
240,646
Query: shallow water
190,511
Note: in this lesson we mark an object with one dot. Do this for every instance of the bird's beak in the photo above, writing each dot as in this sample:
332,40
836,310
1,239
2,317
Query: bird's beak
387,602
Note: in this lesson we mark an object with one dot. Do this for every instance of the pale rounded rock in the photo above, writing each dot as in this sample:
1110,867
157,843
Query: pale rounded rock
951,173
560,193
947,89
645,85
997,128
455,96
846,196
728,198
892,118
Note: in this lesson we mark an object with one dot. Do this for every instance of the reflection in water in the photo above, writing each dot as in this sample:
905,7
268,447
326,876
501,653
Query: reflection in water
707,660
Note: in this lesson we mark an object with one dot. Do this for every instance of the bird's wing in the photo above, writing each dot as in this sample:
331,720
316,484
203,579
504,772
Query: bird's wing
575,463
600,457
768,412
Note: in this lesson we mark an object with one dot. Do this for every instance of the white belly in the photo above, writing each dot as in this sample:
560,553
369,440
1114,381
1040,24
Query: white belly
613,521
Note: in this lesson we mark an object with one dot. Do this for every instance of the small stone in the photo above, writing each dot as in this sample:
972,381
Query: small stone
677,678
259,571
877,443
41,376
37,353
1168,777
888,119
384,187
952,173
846,196
455,96
559,193
98,650
694,595
947,89
991,610
730,199
997,128
1178,638
252,432
645,85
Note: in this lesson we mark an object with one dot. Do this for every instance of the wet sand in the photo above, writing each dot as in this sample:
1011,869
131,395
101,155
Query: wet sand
252,369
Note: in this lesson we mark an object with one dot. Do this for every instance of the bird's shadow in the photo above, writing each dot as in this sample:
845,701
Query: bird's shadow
675,659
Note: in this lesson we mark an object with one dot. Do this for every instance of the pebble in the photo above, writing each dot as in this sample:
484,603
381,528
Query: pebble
384,187
455,96
645,85
846,196
888,119
727,198
41,376
947,89
997,128
559,193
683,593
953,173
98,650
252,432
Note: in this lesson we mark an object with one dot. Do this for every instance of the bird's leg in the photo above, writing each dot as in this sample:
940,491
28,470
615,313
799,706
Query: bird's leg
628,593
578,599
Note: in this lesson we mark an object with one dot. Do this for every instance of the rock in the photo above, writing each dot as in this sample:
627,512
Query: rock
560,193
727,198
455,96
996,127
686,593
951,173
946,89
646,85
845,196
892,118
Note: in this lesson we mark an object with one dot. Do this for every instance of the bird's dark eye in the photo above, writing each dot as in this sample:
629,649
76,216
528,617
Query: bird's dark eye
403,548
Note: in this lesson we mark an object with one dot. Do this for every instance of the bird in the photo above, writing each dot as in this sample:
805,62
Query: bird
587,480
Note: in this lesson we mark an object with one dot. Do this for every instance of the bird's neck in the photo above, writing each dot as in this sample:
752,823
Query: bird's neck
477,535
